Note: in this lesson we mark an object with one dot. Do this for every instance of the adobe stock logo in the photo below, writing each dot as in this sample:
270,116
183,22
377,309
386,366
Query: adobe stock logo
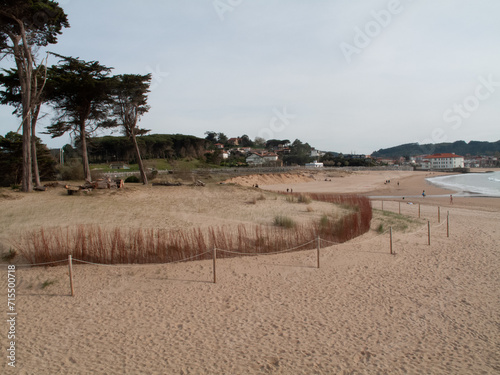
223,6
471,103
157,76
277,124
458,112
363,37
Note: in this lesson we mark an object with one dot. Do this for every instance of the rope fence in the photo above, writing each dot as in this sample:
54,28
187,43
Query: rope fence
411,208
419,206
272,253
319,241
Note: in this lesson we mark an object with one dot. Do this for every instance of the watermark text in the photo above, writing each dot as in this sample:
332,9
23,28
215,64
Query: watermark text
11,315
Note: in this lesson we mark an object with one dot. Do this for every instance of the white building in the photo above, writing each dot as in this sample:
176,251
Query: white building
261,158
445,161
425,164
316,153
314,164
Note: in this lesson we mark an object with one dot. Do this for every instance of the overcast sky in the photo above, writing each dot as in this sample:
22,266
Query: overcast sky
342,75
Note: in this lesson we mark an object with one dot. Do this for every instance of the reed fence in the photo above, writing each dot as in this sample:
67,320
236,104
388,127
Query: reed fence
93,243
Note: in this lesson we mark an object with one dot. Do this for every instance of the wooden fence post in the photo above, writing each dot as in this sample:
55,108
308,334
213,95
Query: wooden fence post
439,214
400,208
214,258
390,232
429,231
70,265
317,249
419,210
382,205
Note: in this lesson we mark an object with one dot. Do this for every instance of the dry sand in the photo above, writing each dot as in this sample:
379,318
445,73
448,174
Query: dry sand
428,309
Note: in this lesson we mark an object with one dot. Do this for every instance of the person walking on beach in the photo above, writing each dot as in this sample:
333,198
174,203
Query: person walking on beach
423,194
451,199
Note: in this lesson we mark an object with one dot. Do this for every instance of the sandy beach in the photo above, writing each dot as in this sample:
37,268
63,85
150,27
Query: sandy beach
431,309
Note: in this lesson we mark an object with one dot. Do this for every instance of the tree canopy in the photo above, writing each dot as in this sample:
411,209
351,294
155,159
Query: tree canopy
39,21
24,26
154,146
130,96
81,95
300,153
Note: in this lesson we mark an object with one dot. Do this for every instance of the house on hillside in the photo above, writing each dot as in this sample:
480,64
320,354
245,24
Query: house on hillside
219,146
262,158
481,162
316,153
445,161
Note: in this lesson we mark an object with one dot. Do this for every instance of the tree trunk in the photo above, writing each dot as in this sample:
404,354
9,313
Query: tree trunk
139,160
36,173
85,157
22,56
27,184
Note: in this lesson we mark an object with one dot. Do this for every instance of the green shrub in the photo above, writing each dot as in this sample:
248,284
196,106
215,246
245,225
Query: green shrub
152,174
47,283
72,171
284,222
132,179
324,222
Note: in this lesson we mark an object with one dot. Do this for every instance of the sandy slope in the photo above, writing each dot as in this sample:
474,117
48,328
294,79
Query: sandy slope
357,182
428,309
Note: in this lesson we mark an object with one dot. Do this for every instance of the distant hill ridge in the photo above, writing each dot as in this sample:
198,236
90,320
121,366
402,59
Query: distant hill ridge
473,148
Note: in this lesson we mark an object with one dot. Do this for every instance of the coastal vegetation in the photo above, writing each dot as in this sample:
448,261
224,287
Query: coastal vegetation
268,225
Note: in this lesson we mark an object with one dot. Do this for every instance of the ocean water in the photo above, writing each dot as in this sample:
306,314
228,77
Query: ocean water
470,184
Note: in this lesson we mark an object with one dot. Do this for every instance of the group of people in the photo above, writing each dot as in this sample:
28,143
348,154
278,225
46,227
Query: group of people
388,182
423,195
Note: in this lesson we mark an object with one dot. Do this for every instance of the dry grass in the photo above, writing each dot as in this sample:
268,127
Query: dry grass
383,220
304,198
147,207
164,224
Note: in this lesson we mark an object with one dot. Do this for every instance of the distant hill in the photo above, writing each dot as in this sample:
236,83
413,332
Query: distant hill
473,148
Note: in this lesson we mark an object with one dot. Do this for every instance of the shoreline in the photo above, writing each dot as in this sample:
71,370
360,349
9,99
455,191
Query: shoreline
407,184
466,190
435,195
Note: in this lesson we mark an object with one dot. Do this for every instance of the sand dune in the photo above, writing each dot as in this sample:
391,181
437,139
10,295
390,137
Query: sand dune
427,309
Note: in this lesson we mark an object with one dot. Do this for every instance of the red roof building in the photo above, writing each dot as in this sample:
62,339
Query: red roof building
445,161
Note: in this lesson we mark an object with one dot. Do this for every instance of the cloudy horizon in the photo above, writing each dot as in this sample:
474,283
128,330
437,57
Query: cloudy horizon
344,77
